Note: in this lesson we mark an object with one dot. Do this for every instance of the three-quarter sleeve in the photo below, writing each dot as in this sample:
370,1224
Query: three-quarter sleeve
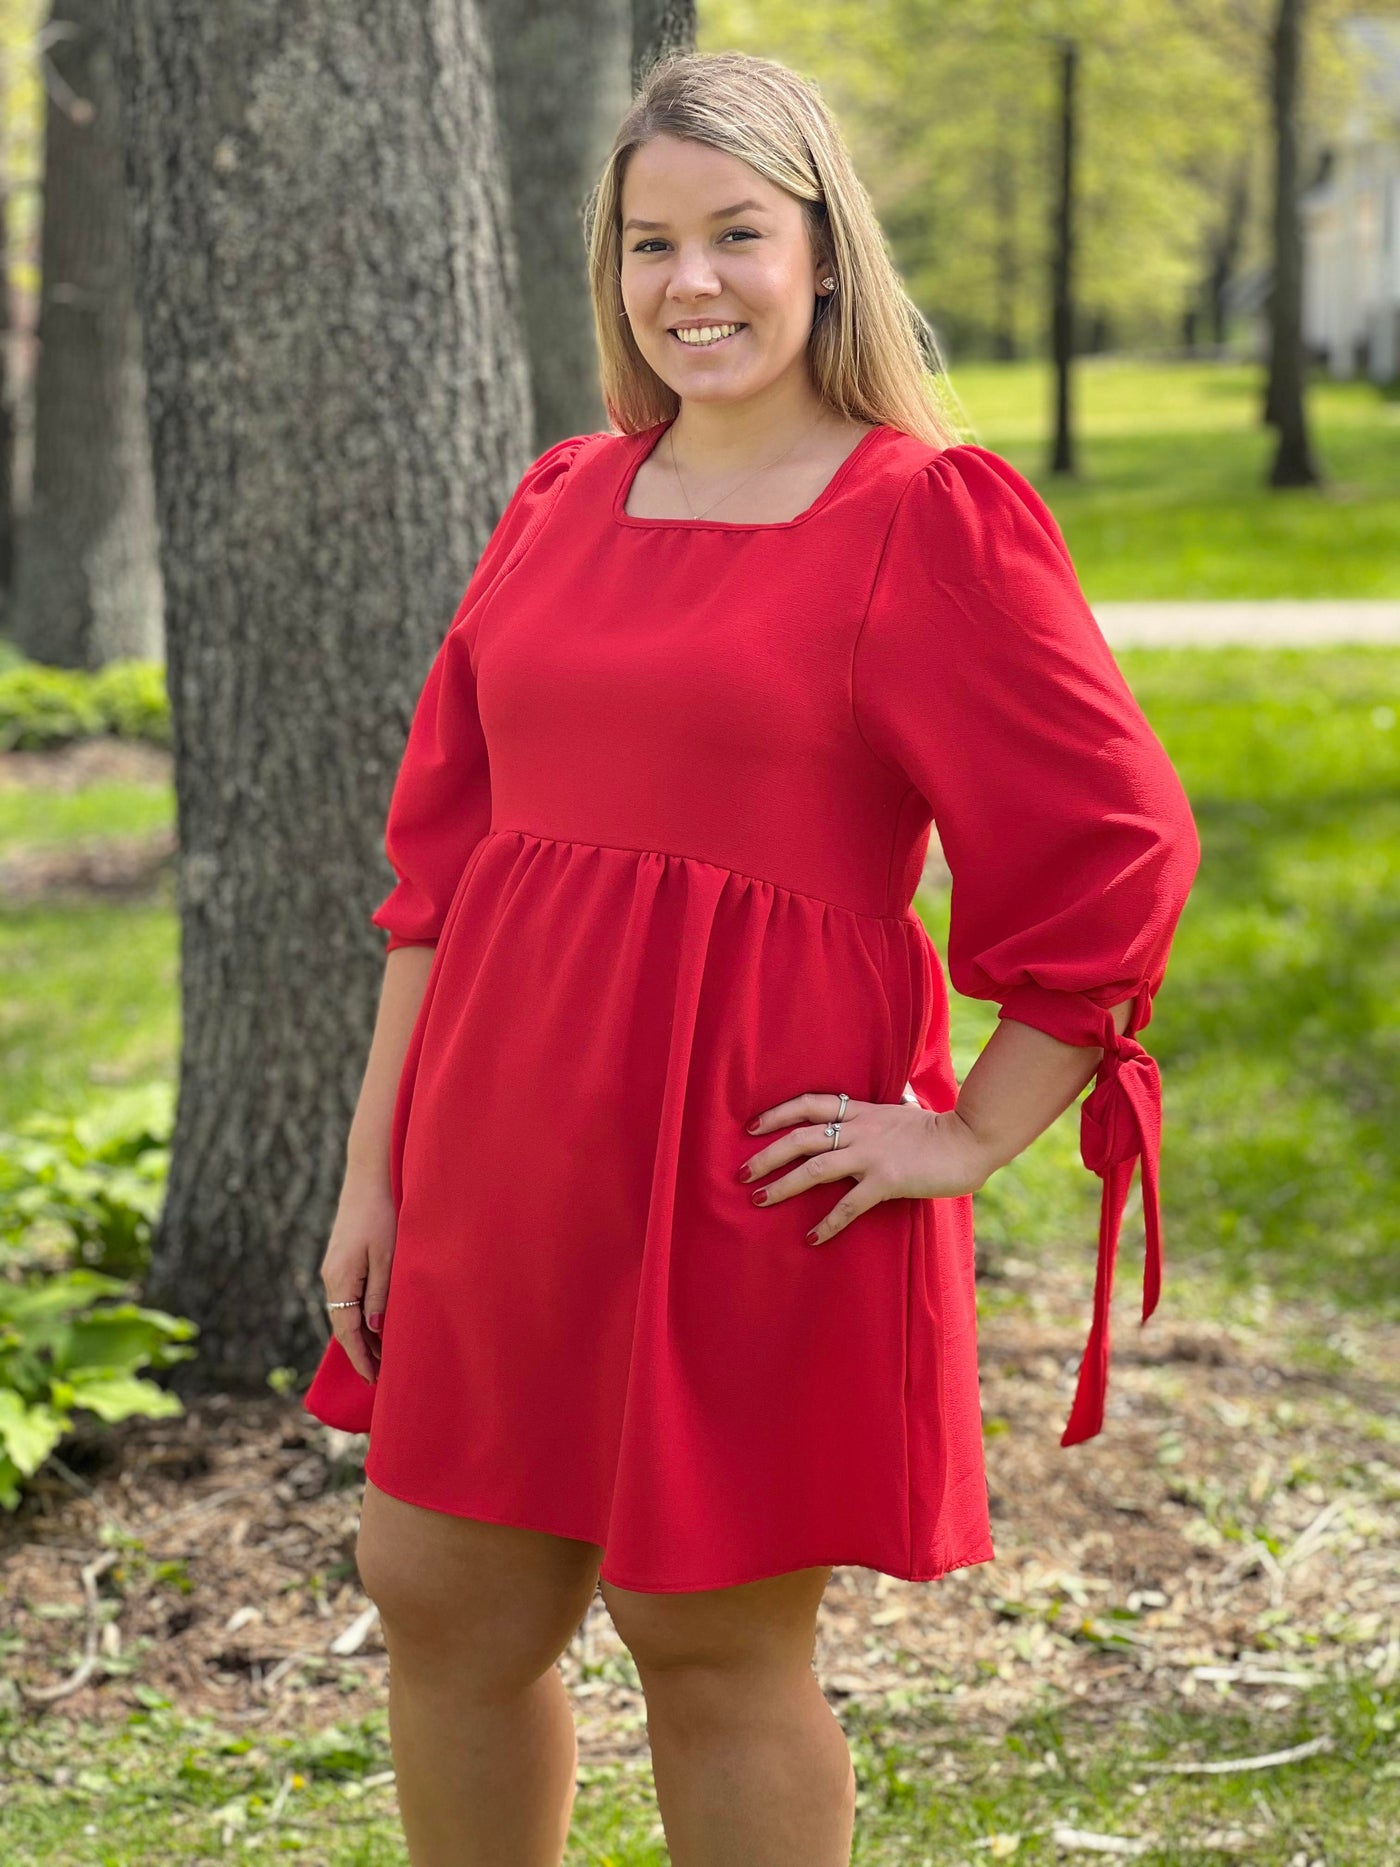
981,677
440,806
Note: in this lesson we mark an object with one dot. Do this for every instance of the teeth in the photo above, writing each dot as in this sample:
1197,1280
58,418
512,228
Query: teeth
708,333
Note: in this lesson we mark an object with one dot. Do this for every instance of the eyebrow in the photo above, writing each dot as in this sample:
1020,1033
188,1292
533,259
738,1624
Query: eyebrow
720,213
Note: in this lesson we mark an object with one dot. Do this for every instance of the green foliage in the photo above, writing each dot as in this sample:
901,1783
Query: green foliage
86,1189
78,1198
63,1350
42,706
950,108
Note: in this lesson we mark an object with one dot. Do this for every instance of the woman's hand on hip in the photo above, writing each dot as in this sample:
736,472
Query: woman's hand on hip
892,1150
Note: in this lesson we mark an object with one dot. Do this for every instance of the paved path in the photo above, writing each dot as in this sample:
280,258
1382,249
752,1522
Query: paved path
1261,625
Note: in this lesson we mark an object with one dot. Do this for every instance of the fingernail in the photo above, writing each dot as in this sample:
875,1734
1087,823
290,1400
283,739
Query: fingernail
760,1194
811,1238
376,1321
752,1126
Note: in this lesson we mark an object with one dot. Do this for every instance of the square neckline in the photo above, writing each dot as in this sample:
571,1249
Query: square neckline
634,456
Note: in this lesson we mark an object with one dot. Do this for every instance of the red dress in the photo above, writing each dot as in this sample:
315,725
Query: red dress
663,808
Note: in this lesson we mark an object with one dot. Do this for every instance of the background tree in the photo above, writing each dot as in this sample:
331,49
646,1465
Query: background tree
1293,463
7,415
86,586
659,27
547,54
339,402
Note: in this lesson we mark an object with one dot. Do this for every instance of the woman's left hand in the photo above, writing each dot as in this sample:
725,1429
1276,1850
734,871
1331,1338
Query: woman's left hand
892,1150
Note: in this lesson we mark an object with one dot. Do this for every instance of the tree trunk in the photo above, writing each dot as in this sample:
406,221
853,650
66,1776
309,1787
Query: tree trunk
1293,463
1007,259
1062,455
340,407
659,27
543,52
1225,253
8,516
87,579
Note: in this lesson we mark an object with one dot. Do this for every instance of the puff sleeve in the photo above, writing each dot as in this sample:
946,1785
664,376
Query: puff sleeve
981,677
440,806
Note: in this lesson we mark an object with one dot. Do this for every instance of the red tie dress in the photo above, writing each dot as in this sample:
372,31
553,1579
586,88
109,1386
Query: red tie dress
665,801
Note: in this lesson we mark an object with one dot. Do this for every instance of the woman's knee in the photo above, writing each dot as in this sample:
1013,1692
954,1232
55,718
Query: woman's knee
714,1634
493,1601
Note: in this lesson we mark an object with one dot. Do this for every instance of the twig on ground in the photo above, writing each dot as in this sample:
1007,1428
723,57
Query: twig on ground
46,1695
1224,1765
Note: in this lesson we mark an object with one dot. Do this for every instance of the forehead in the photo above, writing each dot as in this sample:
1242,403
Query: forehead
672,180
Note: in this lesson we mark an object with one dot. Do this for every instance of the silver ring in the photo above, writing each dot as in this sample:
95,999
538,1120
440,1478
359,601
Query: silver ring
833,1128
349,1303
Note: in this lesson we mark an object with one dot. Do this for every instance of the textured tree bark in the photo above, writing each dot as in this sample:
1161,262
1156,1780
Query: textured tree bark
660,27
86,586
561,88
340,407
1293,463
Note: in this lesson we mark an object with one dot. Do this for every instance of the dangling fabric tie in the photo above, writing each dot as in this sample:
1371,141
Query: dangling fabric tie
1120,1124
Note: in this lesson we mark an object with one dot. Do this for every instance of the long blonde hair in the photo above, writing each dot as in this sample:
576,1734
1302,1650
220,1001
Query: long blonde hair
873,355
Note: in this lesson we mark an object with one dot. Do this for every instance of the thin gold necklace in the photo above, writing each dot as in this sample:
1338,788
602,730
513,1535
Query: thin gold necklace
670,437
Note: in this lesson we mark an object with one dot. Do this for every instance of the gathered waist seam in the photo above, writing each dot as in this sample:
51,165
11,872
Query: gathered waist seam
677,855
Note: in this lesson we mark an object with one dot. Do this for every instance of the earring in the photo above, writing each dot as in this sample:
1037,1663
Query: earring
830,284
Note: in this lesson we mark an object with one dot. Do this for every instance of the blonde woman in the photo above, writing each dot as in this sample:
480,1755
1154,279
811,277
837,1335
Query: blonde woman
653,1270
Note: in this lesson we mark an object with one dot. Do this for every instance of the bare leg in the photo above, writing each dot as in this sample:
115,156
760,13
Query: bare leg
475,1616
751,1765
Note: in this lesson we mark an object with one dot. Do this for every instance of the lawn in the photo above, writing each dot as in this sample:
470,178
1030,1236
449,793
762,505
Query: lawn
1171,500
170,1791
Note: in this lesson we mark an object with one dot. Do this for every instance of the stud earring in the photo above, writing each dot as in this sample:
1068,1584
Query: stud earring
830,284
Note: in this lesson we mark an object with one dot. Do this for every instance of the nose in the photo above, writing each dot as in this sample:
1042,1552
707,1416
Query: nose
692,275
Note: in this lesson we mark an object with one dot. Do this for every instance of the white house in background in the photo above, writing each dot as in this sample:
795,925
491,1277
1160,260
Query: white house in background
1351,220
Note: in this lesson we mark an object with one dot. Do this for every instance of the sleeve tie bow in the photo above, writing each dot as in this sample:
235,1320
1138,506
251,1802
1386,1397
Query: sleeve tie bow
1120,1124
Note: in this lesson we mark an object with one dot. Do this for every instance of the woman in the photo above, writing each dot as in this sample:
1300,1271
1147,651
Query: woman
658,1015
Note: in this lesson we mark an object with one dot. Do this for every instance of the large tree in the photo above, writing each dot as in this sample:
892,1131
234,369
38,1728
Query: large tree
86,585
591,54
562,83
339,405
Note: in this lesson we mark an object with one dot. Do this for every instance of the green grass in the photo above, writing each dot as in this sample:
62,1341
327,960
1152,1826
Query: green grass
931,1791
1278,1028
89,999
45,818
1172,501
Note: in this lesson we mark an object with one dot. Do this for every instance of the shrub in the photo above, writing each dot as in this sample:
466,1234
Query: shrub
86,1189
79,1195
42,706
60,1350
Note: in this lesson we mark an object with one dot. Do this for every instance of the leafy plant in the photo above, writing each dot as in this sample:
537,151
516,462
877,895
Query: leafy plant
42,706
86,1189
61,1350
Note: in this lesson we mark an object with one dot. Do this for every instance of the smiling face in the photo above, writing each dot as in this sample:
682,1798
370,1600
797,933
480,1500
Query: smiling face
708,243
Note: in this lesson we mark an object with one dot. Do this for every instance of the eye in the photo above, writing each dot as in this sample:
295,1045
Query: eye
747,233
